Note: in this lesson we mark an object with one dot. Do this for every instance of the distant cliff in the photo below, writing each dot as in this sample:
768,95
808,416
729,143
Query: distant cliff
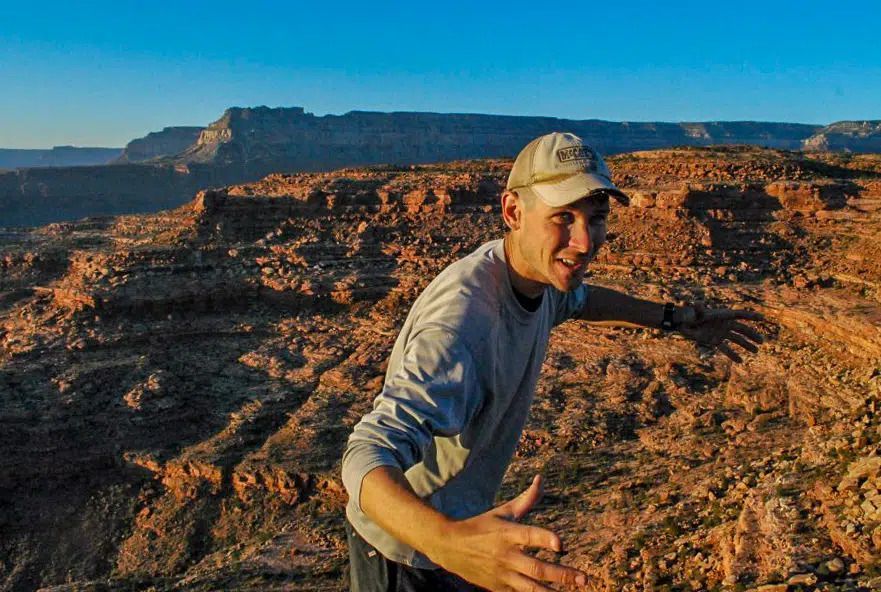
849,136
247,143
168,142
13,158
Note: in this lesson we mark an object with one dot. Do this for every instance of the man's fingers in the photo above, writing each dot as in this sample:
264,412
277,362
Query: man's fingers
742,342
748,332
722,347
750,315
533,537
728,314
521,583
543,571
518,507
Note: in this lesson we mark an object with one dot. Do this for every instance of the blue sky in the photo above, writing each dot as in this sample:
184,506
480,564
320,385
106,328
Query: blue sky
102,73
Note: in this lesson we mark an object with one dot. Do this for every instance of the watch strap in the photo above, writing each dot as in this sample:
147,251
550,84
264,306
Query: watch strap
667,323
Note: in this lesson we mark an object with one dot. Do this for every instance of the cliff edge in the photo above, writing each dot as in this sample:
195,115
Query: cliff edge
252,142
847,136
168,142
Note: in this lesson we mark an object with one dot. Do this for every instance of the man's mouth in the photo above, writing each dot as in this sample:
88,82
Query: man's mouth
572,263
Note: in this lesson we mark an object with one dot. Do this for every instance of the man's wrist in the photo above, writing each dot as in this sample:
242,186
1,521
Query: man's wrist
443,531
684,315
675,316
668,320
389,501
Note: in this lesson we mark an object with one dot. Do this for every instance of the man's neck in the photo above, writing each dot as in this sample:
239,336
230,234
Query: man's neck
524,286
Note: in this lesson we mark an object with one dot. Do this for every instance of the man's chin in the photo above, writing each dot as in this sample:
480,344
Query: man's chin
570,284
567,279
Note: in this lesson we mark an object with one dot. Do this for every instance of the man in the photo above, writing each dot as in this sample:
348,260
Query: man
423,468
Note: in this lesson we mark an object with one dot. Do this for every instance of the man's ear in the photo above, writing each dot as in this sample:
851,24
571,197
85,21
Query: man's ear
512,209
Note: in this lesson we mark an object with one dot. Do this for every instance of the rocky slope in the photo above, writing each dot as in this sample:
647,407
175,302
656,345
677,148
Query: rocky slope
168,142
176,389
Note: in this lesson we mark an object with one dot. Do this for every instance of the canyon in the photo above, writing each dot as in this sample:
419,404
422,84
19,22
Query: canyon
176,388
168,167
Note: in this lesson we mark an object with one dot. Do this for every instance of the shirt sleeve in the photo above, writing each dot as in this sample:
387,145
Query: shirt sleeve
570,304
434,392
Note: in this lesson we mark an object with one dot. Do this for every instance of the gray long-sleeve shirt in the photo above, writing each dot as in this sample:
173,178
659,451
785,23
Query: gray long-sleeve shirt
457,393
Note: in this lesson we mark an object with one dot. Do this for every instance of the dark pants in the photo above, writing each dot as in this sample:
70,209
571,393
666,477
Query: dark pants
371,572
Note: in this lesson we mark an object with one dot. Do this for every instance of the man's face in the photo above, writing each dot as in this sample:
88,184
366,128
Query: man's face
556,243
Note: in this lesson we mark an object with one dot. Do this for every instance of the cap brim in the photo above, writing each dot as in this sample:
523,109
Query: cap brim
573,188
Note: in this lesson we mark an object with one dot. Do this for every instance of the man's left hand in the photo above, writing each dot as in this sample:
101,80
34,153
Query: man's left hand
717,329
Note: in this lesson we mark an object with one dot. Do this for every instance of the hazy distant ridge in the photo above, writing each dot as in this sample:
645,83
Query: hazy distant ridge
12,158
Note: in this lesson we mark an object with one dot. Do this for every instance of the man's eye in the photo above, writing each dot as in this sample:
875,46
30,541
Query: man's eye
564,218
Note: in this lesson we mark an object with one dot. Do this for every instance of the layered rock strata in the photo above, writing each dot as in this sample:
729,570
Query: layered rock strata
253,142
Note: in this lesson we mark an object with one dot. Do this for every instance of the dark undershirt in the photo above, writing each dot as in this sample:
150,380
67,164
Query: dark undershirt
530,304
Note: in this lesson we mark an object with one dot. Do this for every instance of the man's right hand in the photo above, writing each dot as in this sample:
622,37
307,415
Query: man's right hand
488,550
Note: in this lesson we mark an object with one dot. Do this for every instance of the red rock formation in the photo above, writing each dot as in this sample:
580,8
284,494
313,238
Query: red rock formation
176,389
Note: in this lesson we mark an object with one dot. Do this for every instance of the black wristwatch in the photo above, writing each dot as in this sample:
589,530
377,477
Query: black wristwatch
667,323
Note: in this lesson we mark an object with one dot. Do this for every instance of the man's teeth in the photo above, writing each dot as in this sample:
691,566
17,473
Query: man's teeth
569,262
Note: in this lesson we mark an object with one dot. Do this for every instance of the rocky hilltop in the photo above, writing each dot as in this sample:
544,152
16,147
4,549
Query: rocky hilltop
168,142
176,389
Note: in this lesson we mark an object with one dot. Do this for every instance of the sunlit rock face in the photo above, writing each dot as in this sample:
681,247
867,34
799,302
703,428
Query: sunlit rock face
176,389
168,142
847,136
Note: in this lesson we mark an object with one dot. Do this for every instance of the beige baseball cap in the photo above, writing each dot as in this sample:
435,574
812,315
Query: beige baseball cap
559,169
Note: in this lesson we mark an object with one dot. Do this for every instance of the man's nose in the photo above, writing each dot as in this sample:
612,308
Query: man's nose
579,238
